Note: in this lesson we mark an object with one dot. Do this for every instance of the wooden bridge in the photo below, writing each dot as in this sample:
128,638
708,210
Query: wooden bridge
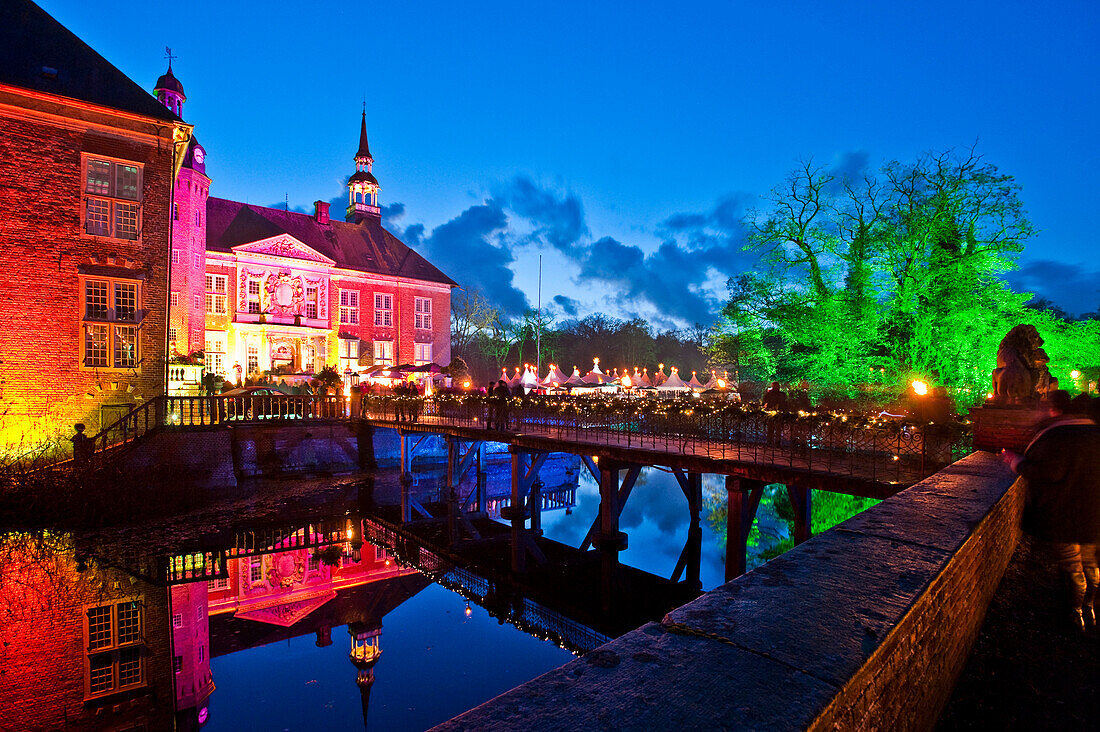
615,437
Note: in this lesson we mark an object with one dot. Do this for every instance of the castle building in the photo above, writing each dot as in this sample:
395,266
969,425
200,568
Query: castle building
261,289
87,163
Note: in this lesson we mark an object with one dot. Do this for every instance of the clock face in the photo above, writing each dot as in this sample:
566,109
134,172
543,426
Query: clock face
200,156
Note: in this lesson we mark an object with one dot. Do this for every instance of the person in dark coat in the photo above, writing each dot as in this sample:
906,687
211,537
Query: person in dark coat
501,393
1063,500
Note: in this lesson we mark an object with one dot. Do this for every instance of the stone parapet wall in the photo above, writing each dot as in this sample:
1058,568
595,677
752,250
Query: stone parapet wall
865,626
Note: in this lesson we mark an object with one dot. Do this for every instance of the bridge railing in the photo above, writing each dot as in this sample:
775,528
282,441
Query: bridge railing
882,449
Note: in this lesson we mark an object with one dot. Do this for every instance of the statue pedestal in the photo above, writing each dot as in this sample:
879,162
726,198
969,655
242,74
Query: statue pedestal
1008,428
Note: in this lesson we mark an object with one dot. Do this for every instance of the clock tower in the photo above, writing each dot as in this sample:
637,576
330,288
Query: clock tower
187,291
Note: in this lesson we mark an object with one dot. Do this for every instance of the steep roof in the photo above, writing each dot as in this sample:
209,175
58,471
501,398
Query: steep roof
40,54
169,81
364,148
366,247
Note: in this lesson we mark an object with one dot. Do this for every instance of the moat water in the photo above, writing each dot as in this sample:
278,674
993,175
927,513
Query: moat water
271,642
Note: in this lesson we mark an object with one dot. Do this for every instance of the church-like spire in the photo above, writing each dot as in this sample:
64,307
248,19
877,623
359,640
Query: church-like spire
362,185
364,148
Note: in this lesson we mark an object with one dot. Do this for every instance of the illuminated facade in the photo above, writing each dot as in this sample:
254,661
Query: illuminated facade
260,289
87,161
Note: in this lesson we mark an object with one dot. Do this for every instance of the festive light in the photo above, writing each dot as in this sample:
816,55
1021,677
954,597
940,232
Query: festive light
1075,374
920,388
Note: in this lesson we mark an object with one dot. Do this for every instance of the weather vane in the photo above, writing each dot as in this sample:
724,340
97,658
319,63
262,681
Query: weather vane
168,55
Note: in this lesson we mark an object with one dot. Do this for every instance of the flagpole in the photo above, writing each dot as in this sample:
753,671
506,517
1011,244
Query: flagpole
538,328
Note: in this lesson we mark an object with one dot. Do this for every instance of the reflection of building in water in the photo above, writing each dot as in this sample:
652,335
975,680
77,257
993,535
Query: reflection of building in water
84,645
284,591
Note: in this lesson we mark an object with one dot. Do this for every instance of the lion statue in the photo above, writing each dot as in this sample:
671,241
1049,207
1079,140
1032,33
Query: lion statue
1021,375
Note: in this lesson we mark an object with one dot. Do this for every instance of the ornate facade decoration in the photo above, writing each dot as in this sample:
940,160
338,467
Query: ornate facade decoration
285,294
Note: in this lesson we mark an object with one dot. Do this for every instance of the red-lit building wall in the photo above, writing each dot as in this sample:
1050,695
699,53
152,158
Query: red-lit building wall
45,600
44,385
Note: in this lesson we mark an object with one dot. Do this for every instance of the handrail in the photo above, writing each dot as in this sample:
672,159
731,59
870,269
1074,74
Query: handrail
882,450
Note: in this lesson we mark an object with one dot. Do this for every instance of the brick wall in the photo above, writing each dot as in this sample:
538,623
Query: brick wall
43,659
43,386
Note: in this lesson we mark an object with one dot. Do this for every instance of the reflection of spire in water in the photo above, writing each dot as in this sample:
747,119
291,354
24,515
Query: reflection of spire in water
366,649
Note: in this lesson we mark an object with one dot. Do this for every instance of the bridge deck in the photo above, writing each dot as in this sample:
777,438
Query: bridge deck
872,475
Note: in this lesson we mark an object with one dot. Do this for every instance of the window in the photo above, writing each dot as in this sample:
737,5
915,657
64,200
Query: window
349,354
349,307
198,302
216,294
174,299
383,353
214,354
423,307
175,217
256,570
115,653
175,256
217,585
423,353
177,620
383,309
177,664
173,335
197,259
108,304
198,217
253,360
112,198
311,301
314,563
309,357
253,295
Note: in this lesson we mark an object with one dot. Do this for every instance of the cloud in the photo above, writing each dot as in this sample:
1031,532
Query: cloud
556,220
568,305
675,278
474,249
1074,288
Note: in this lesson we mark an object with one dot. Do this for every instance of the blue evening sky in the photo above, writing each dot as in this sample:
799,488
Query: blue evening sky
622,141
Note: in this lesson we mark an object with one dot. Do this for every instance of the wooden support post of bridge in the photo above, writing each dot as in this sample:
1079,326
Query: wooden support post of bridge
525,471
802,501
744,498
691,557
604,532
458,463
364,439
408,452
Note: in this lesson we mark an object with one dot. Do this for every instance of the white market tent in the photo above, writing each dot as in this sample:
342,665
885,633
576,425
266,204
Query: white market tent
643,380
529,380
575,378
555,377
694,383
673,383
595,376
515,380
659,376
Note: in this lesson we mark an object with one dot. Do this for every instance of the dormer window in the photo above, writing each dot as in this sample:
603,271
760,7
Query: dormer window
112,198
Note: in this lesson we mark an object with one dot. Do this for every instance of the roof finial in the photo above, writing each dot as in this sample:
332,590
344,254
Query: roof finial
168,55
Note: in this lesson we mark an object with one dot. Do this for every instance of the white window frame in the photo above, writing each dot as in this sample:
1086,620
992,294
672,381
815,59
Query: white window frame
214,352
110,199
423,354
255,302
217,289
422,307
113,649
311,304
115,326
174,299
383,309
349,307
383,353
